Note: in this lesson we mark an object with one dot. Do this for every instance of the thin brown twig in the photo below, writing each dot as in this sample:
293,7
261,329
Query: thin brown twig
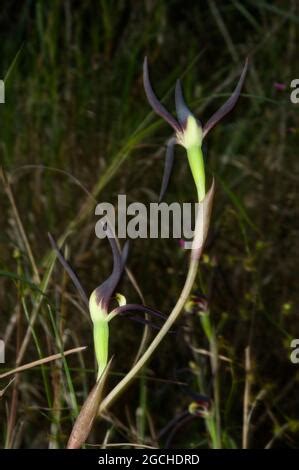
44,360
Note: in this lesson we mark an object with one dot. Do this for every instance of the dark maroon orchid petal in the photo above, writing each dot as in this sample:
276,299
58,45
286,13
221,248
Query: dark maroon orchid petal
182,419
128,308
172,422
182,110
154,102
228,105
198,397
105,290
68,269
143,321
168,166
142,308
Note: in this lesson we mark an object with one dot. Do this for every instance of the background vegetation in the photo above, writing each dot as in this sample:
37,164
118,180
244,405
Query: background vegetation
75,122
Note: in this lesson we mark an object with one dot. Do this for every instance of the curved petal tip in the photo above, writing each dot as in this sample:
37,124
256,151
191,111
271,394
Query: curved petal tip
153,100
228,105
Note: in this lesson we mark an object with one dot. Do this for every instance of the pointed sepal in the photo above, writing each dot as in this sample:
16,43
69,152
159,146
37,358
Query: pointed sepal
154,102
228,105
68,269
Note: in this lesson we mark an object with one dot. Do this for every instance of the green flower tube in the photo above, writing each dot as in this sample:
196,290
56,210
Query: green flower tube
99,317
196,162
101,342
192,141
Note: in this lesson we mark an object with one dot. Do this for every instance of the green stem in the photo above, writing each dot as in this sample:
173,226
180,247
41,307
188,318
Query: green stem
213,421
101,340
196,162
119,388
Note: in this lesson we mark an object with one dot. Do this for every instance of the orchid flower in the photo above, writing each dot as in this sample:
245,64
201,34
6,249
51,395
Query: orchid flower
99,300
188,130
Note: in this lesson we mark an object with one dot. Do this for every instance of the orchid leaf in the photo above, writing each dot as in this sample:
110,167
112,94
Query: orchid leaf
88,413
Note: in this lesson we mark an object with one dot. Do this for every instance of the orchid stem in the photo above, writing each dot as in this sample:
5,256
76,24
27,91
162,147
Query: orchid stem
101,339
120,387
196,162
